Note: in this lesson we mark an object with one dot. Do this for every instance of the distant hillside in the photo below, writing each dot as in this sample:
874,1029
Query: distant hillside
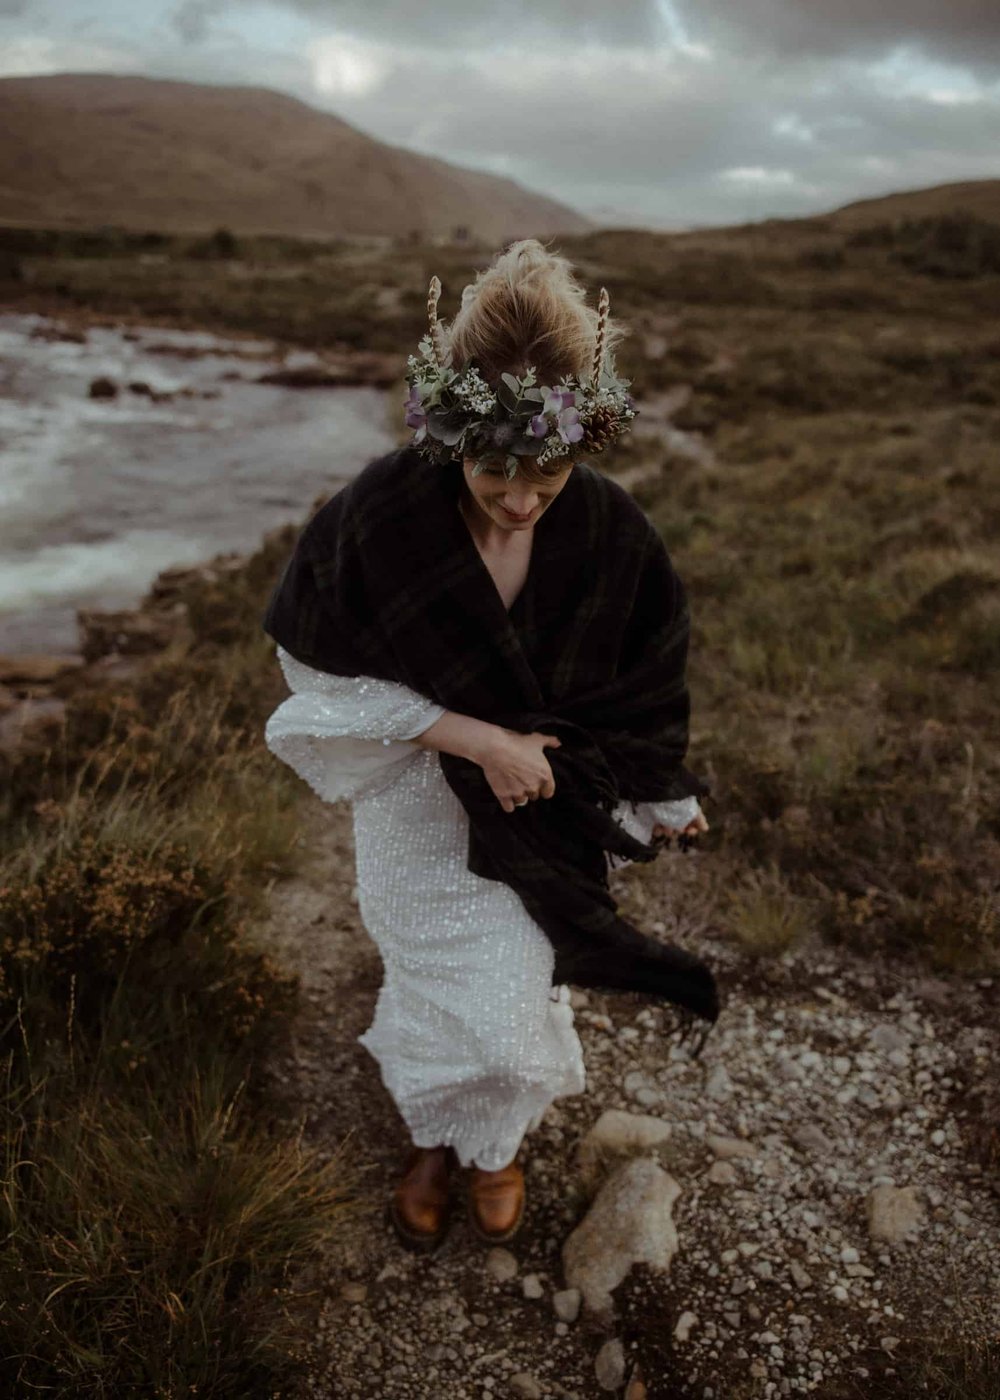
981,197
81,149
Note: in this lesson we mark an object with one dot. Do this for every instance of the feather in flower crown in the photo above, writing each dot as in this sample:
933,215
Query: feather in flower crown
455,412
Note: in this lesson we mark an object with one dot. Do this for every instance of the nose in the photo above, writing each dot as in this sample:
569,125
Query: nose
520,503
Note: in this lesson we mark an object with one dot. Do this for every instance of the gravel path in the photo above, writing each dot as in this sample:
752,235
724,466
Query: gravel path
837,1193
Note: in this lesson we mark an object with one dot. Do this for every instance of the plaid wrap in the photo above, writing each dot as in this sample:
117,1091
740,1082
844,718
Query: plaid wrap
386,580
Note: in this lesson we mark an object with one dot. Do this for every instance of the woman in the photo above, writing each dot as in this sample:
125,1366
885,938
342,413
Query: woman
448,641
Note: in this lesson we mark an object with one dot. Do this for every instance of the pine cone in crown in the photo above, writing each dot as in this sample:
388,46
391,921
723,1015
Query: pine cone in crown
600,429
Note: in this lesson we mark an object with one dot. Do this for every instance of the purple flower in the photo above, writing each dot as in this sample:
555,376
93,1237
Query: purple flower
557,399
539,427
416,417
570,427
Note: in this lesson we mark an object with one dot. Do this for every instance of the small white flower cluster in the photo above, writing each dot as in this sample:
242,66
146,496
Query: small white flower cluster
473,391
608,398
555,447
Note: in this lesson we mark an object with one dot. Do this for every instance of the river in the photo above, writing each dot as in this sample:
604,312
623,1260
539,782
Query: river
98,495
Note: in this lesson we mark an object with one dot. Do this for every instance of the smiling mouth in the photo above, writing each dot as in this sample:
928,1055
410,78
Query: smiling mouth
515,517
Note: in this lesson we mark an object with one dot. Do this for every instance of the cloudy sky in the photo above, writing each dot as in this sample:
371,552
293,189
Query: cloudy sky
666,113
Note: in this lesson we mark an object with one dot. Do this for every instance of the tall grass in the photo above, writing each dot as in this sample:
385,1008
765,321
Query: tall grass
155,1212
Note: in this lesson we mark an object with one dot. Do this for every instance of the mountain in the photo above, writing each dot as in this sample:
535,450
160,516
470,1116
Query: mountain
82,149
981,197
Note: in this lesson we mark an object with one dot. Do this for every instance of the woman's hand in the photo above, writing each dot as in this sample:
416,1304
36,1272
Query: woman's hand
696,824
516,767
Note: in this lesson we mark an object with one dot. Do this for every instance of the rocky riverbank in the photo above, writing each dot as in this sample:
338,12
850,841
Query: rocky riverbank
36,688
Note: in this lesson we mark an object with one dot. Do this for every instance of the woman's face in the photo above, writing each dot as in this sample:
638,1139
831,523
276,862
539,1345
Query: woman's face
515,504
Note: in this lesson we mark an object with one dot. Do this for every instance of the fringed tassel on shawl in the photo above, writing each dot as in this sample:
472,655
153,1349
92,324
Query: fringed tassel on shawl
693,1029
687,1028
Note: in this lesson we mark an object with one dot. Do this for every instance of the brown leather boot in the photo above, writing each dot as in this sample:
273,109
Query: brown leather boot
496,1202
421,1200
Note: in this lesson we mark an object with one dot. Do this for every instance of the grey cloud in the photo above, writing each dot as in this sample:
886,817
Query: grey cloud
192,19
457,25
966,31
961,30
708,117
663,140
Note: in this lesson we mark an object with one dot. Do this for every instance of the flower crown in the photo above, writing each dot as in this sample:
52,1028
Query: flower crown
455,412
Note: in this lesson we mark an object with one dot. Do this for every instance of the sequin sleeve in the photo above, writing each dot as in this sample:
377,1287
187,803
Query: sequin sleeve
347,736
639,818
675,813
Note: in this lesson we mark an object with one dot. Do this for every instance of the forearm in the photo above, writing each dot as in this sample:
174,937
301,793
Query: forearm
459,734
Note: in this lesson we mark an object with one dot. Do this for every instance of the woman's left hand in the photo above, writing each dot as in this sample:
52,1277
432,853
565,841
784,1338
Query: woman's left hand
696,824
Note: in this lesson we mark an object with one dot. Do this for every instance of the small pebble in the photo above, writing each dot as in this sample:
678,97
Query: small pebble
501,1264
682,1328
566,1303
609,1365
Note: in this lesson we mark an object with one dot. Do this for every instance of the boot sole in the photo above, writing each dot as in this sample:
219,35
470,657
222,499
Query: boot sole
422,1244
496,1237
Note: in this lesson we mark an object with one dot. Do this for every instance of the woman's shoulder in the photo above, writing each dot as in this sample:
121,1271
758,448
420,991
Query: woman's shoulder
620,507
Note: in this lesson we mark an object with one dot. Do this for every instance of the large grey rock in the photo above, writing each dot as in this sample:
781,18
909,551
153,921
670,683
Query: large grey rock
629,1222
619,1132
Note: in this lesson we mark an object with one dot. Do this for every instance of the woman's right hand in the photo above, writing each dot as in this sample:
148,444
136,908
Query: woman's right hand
516,767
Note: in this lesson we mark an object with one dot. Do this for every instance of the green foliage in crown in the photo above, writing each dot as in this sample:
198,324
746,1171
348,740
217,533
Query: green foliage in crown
455,413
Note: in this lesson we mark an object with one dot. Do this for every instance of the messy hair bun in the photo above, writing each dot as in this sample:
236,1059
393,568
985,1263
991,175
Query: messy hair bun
527,308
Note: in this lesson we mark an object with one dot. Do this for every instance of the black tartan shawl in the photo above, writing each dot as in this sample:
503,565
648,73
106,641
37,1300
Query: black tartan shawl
386,580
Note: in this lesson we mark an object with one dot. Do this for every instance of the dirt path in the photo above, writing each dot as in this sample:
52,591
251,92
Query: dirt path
833,1076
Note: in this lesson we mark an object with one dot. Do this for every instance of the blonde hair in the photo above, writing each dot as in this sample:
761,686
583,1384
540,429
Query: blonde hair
527,308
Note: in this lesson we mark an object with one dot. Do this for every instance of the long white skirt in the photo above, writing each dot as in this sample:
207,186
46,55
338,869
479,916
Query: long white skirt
472,1040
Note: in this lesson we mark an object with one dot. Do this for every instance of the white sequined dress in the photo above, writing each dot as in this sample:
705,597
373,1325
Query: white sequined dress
472,1040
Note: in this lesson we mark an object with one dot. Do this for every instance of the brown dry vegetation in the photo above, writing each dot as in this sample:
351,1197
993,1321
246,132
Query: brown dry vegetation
838,541
152,1205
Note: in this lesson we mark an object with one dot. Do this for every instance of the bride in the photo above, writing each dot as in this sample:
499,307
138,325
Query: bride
473,1029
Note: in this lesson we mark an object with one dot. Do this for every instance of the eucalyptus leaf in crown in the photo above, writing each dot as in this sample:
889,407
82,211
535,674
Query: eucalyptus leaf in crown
456,413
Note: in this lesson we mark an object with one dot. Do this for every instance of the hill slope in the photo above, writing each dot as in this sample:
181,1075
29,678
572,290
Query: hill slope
981,197
97,148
